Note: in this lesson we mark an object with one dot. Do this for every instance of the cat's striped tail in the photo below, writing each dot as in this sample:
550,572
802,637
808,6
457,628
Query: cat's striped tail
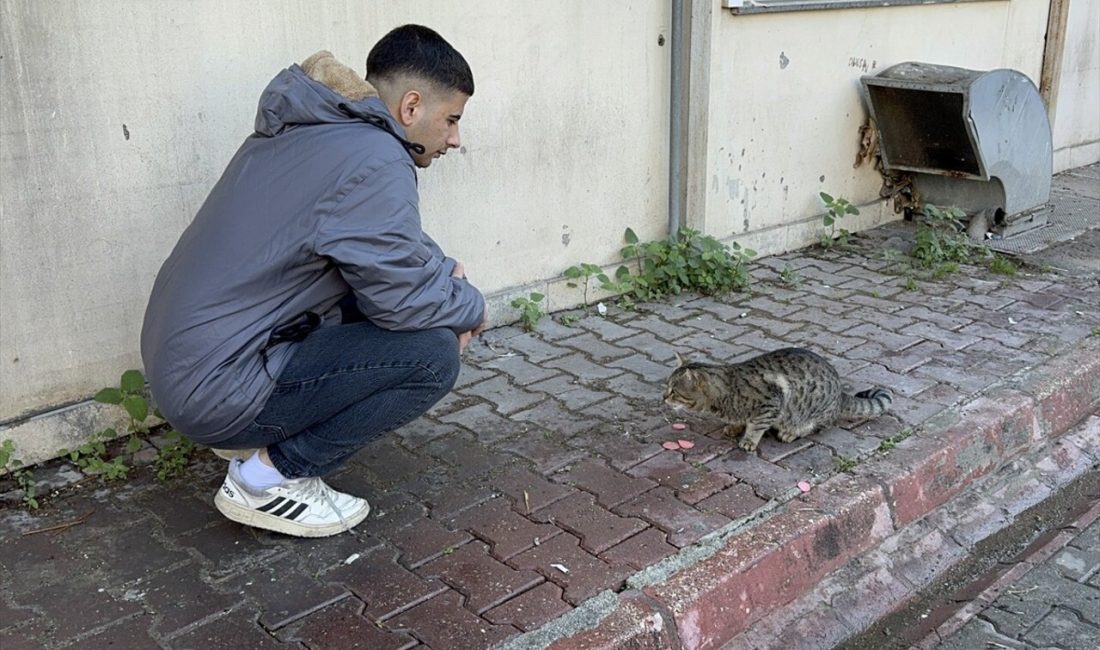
865,404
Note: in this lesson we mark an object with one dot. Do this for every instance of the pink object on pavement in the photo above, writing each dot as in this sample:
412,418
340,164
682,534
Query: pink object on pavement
804,486
679,426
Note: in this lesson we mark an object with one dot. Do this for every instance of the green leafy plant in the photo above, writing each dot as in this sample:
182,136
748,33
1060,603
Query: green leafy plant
22,476
845,464
1002,265
892,441
835,210
910,284
941,238
689,261
172,459
530,311
583,270
789,276
92,455
568,319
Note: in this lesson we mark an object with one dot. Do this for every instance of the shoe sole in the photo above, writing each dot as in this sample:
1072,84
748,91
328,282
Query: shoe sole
250,517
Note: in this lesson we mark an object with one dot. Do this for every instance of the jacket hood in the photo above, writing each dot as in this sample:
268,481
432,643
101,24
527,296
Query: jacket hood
320,91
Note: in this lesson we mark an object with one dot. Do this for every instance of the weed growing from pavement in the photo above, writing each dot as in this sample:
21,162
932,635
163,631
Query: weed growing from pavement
845,464
22,476
790,277
93,456
690,261
892,441
583,270
941,247
530,311
835,210
1002,265
172,459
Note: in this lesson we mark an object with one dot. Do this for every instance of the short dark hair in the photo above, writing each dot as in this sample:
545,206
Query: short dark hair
418,51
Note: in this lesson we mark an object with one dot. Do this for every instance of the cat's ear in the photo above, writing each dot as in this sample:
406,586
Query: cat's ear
679,359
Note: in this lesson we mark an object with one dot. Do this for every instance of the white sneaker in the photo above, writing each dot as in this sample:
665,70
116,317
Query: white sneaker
303,507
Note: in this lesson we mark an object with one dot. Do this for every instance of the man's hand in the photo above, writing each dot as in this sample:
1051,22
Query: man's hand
464,340
484,323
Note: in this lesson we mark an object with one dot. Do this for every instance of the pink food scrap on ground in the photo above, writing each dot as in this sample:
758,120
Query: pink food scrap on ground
686,444
671,444
679,426
804,486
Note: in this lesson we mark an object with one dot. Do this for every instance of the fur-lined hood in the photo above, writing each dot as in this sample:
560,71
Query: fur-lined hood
319,91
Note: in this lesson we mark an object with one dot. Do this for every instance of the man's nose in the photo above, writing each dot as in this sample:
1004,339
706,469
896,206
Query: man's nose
453,140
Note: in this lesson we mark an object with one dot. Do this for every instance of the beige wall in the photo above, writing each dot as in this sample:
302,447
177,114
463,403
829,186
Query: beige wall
1076,118
785,108
565,144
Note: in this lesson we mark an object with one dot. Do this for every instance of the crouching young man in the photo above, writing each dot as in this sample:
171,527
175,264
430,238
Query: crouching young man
304,312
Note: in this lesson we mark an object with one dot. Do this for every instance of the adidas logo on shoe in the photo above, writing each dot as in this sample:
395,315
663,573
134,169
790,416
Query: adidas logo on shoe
304,507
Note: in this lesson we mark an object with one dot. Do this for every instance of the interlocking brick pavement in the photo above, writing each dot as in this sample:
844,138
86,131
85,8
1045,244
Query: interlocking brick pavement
549,453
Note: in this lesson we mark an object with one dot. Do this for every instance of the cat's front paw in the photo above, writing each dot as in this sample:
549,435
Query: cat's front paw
748,444
786,436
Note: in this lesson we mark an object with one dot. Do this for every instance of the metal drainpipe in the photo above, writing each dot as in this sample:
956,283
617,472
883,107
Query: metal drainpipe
676,105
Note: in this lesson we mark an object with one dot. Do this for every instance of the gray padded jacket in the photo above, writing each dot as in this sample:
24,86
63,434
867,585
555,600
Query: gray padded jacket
320,201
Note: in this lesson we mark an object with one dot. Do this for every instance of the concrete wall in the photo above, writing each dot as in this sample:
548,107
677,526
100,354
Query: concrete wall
1076,118
784,106
118,116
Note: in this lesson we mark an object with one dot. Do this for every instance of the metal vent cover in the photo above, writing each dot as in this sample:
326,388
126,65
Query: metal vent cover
976,140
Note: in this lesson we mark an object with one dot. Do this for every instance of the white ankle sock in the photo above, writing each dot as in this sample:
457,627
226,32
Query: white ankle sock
259,476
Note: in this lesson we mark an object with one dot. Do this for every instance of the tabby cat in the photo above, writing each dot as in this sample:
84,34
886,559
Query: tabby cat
791,391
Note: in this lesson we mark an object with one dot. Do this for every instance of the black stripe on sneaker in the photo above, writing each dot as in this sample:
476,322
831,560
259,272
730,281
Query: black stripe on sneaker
271,504
281,510
297,511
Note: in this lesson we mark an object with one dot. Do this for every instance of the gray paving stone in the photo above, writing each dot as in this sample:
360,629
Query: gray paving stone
506,398
519,369
947,338
595,348
606,329
1063,629
535,349
648,370
486,425
979,634
578,366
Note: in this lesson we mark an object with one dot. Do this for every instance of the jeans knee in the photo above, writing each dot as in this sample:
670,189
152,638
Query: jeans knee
444,357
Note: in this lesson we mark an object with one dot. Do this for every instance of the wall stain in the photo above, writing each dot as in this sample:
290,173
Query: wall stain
783,61
125,132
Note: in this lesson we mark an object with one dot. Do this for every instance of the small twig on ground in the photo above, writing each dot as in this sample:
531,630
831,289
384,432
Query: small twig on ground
76,522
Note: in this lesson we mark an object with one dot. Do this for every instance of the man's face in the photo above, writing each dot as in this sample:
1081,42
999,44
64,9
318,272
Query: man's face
435,125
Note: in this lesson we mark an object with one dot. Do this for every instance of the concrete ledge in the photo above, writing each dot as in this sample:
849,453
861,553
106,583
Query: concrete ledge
713,595
39,438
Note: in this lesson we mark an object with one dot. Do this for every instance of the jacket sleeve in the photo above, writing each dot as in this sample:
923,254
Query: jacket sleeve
374,237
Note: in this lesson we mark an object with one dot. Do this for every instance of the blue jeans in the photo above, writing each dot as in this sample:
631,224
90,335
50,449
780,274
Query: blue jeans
345,386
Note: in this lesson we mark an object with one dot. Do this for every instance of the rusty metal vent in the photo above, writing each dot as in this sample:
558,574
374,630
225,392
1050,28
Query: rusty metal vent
972,139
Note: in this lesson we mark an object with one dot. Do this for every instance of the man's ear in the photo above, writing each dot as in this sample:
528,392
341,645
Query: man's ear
410,108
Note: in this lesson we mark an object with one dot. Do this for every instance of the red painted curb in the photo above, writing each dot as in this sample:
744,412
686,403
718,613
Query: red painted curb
784,556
